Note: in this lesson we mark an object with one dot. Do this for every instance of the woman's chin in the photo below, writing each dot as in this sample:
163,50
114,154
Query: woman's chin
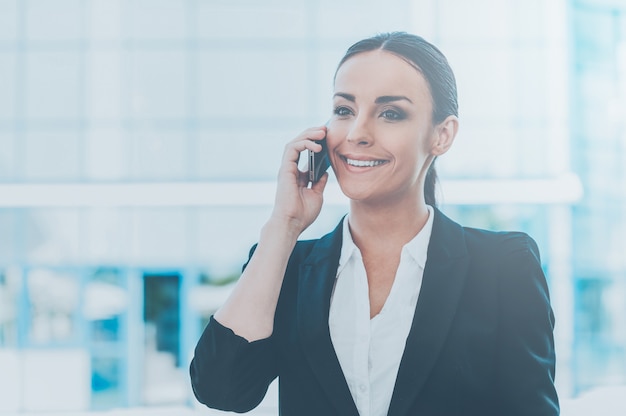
363,194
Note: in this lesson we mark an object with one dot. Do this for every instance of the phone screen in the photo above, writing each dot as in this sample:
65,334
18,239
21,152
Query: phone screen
318,162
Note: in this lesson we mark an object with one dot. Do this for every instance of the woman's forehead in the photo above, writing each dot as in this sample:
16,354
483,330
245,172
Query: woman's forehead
380,72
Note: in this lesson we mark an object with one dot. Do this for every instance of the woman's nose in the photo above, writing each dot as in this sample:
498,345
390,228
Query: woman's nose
359,133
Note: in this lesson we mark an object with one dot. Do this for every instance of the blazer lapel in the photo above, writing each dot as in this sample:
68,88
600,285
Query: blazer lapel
442,285
317,278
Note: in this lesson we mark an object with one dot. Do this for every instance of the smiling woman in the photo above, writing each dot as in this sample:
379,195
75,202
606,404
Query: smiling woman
399,310
383,114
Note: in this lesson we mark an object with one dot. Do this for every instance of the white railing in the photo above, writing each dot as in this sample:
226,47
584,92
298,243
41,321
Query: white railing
565,189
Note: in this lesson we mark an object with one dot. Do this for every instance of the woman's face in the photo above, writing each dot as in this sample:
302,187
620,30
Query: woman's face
380,136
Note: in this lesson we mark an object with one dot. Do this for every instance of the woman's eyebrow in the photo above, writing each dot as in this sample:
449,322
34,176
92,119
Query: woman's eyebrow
380,100
348,97
390,98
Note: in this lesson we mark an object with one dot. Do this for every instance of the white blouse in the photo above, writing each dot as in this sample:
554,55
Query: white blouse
370,350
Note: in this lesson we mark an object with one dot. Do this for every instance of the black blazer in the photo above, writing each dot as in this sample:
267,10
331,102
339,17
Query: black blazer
481,341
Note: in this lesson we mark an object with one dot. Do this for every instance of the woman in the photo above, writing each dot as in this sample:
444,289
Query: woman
399,310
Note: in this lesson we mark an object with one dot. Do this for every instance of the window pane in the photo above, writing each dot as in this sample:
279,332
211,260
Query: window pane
159,85
253,84
8,85
157,19
107,153
8,20
52,155
8,156
10,288
54,299
57,20
160,154
53,85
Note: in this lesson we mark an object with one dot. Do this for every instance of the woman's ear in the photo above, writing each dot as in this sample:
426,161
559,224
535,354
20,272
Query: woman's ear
444,135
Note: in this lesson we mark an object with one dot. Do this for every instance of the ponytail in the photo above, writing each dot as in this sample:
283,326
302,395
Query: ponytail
430,185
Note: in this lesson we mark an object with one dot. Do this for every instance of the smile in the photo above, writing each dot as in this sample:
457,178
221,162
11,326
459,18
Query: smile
363,163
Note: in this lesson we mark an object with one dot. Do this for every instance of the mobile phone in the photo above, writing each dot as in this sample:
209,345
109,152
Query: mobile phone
318,162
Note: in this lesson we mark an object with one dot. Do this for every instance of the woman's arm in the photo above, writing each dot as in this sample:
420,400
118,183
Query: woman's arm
249,310
234,361
228,372
526,352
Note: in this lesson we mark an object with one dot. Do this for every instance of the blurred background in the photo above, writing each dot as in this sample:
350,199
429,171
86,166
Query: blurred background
140,140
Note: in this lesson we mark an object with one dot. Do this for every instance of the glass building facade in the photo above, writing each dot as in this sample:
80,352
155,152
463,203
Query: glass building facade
139,144
598,134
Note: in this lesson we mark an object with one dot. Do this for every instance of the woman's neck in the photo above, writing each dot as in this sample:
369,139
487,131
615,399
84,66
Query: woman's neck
389,225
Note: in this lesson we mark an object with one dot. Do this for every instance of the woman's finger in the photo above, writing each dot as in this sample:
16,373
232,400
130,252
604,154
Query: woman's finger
304,141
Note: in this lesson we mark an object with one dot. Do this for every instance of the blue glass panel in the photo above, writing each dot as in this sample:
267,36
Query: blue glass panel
159,154
52,236
52,155
487,88
252,20
108,234
104,85
239,154
107,153
7,155
160,236
156,19
8,20
106,383
9,293
105,19
158,84
528,20
258,84
54,298
8,86
59,20
105,330
351,20
9,244
53,85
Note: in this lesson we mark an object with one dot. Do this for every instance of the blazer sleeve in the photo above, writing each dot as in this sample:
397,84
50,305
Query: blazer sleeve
230,373
526,355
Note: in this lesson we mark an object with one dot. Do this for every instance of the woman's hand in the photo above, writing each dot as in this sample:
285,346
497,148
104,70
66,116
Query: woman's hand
296,203
249,310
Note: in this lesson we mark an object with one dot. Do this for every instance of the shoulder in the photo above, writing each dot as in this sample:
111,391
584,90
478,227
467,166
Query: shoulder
511,260
508,265
506,243
452,239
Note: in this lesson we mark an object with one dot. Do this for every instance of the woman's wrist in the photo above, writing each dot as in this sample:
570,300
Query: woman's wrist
287,227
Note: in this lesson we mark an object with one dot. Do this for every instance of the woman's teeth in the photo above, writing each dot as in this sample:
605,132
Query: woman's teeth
364,163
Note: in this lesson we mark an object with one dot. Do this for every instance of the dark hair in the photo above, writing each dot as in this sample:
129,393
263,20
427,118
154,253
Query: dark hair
434,67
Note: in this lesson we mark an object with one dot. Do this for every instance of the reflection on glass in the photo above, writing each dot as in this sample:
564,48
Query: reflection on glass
106,382
54,298
597,116
9,283
600,355
105,305
105,330
164,379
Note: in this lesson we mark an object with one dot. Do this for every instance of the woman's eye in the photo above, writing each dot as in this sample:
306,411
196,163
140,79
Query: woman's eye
342,111
392,115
